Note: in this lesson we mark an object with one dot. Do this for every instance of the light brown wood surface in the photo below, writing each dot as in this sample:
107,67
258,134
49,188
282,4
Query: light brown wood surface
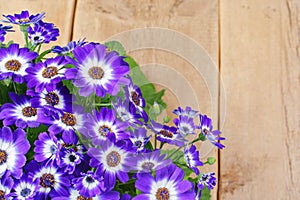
254,43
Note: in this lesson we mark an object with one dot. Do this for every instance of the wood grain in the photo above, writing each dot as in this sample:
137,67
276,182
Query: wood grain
100,20
59,12
260,71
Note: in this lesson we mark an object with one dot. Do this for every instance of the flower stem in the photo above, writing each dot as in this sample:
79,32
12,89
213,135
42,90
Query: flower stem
102,104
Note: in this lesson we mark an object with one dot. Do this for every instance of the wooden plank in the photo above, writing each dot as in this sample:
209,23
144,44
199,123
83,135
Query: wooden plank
100,20
260,70
59,12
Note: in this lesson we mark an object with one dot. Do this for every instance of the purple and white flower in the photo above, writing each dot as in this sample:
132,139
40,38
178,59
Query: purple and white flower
192,159
42,32
127,112
13,147
47,148
187,112
70,159
52,181
6,185
89,184
168,184
20,112
46,74
24,18
69,48
148,162
167,134
60,98
134,96
139,139
112,161
25,188
104,124
207,129
14,61
97,70
3,30
185,125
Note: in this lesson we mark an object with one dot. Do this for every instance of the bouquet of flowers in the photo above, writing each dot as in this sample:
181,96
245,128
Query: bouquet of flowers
74,124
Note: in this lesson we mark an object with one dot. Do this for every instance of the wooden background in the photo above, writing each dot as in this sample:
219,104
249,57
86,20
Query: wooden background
254,45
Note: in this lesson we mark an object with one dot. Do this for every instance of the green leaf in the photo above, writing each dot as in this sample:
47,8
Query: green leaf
32,135
115,46
205,195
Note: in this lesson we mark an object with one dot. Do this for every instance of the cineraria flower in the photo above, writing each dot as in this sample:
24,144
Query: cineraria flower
168,184
74,195
47,74
13,147
60,98
14,61
6,185
70,159
42,33
111,162
47,147
89,184
209,180
103,124
97,70
3,30
64,122
167,134
134,95
127,112
187,112
20,112
52,181
147,162
69,48
25,188
185,125
207,129
23,18
139,139
192,159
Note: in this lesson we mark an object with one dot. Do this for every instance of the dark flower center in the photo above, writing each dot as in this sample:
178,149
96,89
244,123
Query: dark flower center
2,195
148,166
3,157
53,149
84,198
72,158
25,192
49,72
52,98
138,143
162,194
205,131
135,98
113,159
69,119
166,133
47,180
29,111
96,72
24,20
13,65
36,37
89,179
104,130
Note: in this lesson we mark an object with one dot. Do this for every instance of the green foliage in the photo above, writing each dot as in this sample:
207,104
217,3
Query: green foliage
32,135
205,195
116,46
